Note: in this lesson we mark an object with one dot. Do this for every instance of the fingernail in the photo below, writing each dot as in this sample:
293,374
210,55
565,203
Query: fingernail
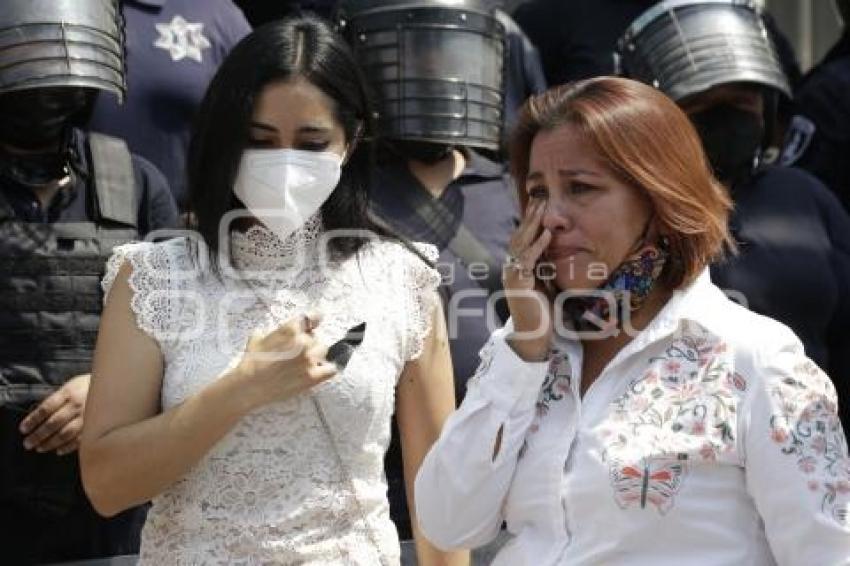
27,445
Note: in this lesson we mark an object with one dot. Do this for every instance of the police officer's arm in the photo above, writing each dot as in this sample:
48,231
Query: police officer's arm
424,399
157,207
822,100
130,452
58,420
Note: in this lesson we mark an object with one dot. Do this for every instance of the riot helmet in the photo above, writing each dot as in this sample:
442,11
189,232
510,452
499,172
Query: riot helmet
436,66
715,50
55,55
61,43
685,47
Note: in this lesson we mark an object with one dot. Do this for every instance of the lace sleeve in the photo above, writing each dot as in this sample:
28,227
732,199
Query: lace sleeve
151,283
420,286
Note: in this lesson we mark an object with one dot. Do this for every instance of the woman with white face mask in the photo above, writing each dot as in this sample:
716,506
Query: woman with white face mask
245,377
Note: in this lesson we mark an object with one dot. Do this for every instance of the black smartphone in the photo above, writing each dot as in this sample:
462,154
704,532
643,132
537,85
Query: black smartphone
340,352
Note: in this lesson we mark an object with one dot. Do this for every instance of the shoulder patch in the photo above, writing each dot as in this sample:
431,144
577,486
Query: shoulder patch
797,140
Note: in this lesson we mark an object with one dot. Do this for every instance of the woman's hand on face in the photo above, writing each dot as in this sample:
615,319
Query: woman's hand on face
531,310
283,363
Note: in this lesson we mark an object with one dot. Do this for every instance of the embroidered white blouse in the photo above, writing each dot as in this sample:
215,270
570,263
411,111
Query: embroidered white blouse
272,491
709,439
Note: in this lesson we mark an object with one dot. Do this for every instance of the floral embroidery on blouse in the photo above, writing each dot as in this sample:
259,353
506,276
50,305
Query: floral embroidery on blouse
486,357
681,409
805,424
554,388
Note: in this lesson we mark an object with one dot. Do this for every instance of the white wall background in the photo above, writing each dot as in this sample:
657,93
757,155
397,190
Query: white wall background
811,25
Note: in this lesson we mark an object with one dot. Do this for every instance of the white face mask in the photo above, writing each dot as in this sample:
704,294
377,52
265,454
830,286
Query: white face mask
285,187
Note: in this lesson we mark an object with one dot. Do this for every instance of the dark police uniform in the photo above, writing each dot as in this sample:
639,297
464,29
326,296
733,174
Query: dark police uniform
482,199
524,75
576,39
52,260
821,142
259,12
173,50
794,264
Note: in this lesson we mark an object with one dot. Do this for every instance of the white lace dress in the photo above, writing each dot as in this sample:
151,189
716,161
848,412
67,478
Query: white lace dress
273,491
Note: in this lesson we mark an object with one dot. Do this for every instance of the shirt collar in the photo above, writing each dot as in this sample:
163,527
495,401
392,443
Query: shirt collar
697,303
693,300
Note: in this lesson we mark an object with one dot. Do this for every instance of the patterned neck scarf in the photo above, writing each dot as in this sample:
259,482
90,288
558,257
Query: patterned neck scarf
627,287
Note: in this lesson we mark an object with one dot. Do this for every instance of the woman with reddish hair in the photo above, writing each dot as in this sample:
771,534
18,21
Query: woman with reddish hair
629,412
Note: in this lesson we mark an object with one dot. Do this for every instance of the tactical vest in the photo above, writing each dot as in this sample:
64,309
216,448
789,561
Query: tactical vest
50,295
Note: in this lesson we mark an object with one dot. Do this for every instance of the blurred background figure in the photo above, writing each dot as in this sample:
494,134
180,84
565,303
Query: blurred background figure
576,39
439,83
792,234
173,48
66,199
819,136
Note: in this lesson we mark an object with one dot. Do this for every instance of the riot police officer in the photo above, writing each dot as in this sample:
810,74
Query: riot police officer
715,59
819,137
66,198
437,67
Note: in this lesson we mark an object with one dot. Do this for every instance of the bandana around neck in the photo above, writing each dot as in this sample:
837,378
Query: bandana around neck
628,285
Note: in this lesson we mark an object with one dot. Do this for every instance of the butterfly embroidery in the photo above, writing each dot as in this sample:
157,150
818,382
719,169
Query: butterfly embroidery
652,480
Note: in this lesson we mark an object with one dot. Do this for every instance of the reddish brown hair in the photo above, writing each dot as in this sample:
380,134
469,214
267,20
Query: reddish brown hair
647,142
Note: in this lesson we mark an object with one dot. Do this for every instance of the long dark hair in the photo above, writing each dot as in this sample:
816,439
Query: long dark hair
305,47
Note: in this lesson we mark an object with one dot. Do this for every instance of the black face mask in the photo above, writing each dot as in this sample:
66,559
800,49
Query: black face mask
425,152
37,119
731,138
35,170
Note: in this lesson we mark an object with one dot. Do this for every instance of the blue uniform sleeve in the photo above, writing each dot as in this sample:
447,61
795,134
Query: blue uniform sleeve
157,207
824,101
232,27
